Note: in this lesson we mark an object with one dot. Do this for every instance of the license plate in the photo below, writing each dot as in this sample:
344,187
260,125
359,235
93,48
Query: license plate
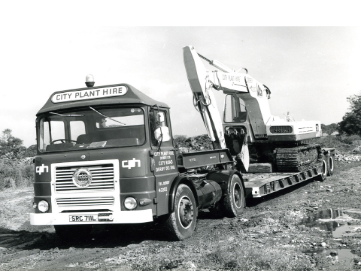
83,218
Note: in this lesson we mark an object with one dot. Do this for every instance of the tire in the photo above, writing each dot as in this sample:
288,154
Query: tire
70,233
181,223
330,166
324,172
234,201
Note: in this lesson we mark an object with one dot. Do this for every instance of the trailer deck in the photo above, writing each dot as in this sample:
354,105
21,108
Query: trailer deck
260,184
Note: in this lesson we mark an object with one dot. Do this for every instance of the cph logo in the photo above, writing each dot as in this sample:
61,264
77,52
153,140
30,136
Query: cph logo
41,169
130,163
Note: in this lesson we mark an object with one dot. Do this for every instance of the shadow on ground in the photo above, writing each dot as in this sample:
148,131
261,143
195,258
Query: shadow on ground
102,236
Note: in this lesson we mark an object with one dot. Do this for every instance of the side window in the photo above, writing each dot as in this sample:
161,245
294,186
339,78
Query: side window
44,135
51,131
159,127
77,128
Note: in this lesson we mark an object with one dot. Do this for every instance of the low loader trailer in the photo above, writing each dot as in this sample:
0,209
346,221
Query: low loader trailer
259,184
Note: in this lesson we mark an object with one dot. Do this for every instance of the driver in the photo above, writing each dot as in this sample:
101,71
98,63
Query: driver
103,123
160,130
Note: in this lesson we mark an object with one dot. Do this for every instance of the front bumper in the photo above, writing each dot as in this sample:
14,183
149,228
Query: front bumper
123,217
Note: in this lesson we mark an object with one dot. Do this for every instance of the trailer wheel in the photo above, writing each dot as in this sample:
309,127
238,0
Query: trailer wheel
234,201
324,170
70,233
181,223
330,166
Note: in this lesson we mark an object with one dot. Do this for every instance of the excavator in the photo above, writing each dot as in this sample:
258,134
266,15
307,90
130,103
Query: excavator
252,134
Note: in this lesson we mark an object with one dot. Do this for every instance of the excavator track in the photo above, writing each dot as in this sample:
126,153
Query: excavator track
298,158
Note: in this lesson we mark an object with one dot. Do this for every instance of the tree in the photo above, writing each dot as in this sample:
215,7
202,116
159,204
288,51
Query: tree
31,151
351,121
329,129
10,146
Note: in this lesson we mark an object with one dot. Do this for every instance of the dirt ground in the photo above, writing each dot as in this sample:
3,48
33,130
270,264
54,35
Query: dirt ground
313,226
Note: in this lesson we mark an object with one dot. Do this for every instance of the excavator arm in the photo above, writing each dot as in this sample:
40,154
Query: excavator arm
201,85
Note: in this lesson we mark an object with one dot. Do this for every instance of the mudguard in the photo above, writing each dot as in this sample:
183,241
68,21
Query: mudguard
178,180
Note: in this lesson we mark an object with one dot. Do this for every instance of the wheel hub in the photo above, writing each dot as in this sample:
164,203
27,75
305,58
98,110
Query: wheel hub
185,212
237,195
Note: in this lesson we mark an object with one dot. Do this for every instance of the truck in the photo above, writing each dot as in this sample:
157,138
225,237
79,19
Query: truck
106,155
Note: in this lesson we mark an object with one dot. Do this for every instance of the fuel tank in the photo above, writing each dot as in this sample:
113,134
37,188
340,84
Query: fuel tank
208,192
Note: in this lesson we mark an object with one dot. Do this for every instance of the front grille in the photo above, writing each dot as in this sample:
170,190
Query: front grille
102,178
281,129
82,202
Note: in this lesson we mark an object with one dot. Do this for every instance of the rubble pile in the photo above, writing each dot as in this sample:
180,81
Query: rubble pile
347,157
196,143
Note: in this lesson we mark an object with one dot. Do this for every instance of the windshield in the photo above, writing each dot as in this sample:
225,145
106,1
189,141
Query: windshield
91,128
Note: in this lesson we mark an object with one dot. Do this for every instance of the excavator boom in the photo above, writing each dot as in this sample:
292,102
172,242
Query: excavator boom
201,86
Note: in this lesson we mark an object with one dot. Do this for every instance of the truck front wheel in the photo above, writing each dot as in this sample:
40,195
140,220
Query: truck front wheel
234,201
181,223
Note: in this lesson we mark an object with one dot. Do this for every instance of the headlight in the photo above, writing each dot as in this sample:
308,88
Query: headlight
130,203
43,206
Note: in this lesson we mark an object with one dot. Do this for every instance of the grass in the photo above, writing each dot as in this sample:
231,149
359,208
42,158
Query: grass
342,144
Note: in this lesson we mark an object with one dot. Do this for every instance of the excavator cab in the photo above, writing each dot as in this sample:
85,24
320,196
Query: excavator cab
235,123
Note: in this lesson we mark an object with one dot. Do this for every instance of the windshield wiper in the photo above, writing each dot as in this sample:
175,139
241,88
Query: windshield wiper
66,115
106,116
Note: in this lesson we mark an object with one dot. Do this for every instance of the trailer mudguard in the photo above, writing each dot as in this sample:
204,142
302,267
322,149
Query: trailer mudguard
178,180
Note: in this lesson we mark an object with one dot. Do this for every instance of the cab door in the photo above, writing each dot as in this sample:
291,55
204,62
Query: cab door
164,155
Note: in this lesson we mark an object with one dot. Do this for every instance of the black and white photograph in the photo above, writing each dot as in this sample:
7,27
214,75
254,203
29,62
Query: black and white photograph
180,135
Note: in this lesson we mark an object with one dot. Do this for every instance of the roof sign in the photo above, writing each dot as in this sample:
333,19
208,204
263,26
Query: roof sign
86,94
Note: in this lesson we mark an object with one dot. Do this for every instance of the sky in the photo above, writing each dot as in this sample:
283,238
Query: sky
310,69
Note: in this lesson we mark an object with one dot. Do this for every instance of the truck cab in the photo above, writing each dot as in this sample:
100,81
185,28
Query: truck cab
105,154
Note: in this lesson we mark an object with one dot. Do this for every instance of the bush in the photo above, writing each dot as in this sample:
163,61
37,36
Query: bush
15,173
8,183
351,139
